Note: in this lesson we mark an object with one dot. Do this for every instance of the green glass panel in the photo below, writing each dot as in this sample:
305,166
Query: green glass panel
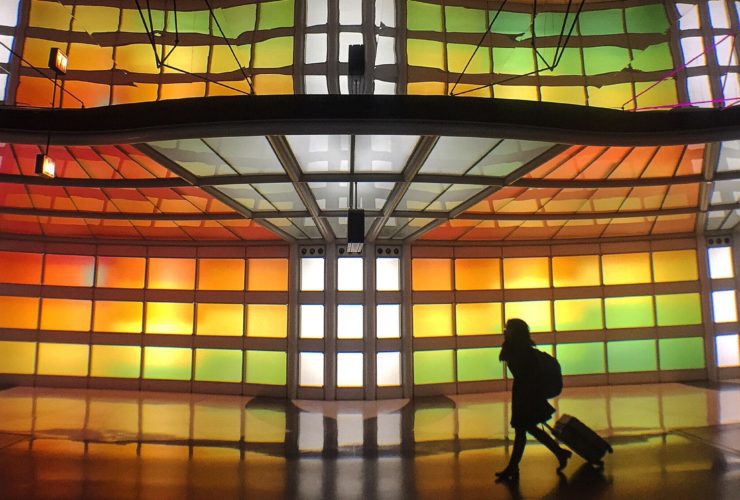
551,23
607,59
632,356
581,359
512,23
276,14
115,361
459,55
218,365
647,19
236,20
513,61
266,367
653,58
424,16
479,364
601,22
274,53
629,312
433,367
196,21
426,53
678,309
131,21
569,64
463,20
681,354
578,314
171,363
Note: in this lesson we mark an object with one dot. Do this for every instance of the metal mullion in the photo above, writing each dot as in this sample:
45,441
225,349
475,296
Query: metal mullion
370,345
710,52
332,46
369,35
401,43
330,323
709,168
299,47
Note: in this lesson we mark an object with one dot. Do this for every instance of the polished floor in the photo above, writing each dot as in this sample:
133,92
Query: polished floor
670,441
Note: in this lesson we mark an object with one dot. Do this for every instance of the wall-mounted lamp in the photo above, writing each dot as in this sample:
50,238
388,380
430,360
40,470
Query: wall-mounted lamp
45,165
58,61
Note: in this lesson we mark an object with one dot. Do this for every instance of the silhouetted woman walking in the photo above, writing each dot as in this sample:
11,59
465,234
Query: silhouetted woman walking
529,406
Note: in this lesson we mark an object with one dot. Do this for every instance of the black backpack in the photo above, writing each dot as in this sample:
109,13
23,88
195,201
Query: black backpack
551,377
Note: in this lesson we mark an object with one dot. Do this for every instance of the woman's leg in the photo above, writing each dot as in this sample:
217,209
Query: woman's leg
543,437
520,441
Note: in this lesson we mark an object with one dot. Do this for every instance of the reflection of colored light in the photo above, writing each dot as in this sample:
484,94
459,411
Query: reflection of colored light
69,270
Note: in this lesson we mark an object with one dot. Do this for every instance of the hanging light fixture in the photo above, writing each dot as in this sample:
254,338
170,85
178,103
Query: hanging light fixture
45,164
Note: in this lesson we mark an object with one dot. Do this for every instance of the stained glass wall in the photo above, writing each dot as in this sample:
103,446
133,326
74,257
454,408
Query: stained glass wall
8,22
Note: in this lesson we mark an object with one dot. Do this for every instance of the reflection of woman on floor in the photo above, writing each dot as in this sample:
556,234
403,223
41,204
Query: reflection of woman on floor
528,406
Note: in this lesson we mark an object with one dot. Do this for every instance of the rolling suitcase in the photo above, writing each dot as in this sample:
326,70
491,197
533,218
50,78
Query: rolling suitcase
580,438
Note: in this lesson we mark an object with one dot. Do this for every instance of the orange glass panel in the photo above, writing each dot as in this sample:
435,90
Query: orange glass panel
431,274
118,317
17,357
267,275
631,226
221,274
664,162
574,165
633,164
432,320
169,318
604,164
63,359
626,268
692,161
267,320
682,195
577,270
220,319
675,265
667,224
171,274
120,272
478,319
528,272
19,312
69,270
644,198
66,314
477,274
19,267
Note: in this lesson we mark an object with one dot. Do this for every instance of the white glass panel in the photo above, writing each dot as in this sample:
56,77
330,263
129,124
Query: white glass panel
7,41
349,369
725,49
350,321
386,51
731,88
350,12
312,274
456,155
3,83
700,92
316,84
312,321
388,321
728,351
718,14
343,86
311,373
720,263
383,153
689,16
345,40
385,13
315,48
9,12
350,430
316,12
384,88
311,437
389,369
387,274
247,155
350,274
321,153
724,307
693,51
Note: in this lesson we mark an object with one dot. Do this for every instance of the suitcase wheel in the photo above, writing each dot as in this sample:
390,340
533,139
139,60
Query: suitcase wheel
597,465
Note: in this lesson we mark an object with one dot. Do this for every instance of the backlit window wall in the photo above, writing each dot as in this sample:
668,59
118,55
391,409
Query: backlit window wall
8,22
724,307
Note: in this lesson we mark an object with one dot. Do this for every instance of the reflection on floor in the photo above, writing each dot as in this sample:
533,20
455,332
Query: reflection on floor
669,440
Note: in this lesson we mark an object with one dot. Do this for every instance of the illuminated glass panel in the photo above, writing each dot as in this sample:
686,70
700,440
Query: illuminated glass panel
681,353
388,321
388,369
266,367
626,268
218,365
19,357
19,312
536,313
478,319
21,268
676,265
720,263
577,270
267,320
350,369
171,274
387,274
632,356
578,314
120,272
312,274
431,274
66,314
529,272
477,274
116,361
221,274
350,274
63,359
724,306
434,367
220,319
311,369
350,321
678,309
432,320
728,350
312,321
69,270
629,312
168,363
265,275
118,317
581,358
173,318
479,364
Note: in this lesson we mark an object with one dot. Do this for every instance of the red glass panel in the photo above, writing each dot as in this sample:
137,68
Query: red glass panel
26,157
8,164
14,195
19,224
130,200
65,227
168,201
568,200
112,229
66,165
145,162
20,267
536,230
206,230
50,197
160,230
90,199
551,165
93,164
69,270
605,200
122,163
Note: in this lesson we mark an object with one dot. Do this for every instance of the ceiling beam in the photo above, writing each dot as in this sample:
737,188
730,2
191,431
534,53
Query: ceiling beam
709,170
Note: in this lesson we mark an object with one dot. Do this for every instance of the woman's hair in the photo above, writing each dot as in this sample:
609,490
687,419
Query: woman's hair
518,333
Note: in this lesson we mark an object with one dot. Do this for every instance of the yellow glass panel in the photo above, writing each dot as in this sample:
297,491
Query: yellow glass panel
274,52
172,274
567,95
427,53
87,57
50,15
426,88
522,92
169,318
528,272
66,314
17,357
136,58
63,359
536,313
182,90
477,274
478,319
267,320
265,275
69,270
118,317
272,84
610,96
116,361
675,265
120,272
431,274
626,268
580,270
432,320
220,319
19,312
21,268
96,19
221,274
171,363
